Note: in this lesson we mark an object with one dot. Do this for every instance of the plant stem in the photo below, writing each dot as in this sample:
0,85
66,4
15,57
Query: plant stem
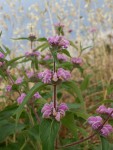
54,87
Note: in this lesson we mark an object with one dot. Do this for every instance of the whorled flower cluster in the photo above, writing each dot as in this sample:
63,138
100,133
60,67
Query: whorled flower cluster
49,111
104,110
61,57
97,122
28,54
58,41
76,61
48,76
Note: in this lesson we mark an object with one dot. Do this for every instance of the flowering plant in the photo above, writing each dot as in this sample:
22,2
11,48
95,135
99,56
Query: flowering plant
40,108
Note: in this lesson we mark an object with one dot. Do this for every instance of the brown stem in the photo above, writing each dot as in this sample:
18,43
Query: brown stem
54,87
36,115
85,139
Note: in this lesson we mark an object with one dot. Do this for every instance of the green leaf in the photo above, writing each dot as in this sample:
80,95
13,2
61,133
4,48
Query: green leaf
32,91
7,49
69,122
43,39
73,87
13,60
65,51
73,45
105,143
86,48
48,133
21,38
85,83
8,128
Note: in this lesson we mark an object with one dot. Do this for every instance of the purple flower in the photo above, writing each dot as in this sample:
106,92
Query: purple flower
93,30
59,41
46,76
63,74
109,111
95,122
63,107
101,110
58,25
37,95
8,88
77,61
106,130
47,57
55,78
48,111
19,81
70,30
21,98
61,57
2,55
58,116
29,74
36,53
27,54
1,64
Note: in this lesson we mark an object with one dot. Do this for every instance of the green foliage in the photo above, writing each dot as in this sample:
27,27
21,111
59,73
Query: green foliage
48,133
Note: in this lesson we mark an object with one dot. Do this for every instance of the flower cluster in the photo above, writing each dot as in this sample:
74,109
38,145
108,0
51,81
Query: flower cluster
76,61
1,64
8,88
2,55
104,110
19,80
27,54
49,111
23,95
47,76
58,41
21,98
61,57
96,122
47,57
59,25
30,74
37,95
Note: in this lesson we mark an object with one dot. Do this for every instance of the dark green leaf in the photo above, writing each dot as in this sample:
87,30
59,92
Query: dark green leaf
48,133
